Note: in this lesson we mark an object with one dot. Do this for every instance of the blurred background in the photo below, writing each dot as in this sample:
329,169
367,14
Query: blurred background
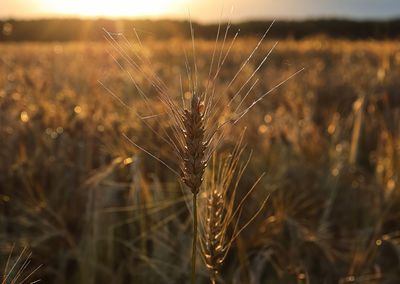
80,204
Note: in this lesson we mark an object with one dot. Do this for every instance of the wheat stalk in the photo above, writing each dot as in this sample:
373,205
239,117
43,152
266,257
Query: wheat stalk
193,164
197,131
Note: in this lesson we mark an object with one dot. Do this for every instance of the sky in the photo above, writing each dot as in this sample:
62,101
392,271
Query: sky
202,10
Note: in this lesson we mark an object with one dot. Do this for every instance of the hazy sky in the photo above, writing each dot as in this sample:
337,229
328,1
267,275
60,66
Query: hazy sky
204,10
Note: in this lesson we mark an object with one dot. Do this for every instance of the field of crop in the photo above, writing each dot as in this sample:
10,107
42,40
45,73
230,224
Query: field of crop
93,208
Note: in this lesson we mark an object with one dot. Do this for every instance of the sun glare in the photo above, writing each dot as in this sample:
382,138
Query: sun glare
114,8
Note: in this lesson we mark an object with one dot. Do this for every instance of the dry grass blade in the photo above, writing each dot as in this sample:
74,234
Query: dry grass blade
18,273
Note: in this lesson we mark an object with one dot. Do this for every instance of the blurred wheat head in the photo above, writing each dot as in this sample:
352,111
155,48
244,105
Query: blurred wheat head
220,211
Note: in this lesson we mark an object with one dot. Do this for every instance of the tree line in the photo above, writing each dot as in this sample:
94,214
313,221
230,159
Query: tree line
92,29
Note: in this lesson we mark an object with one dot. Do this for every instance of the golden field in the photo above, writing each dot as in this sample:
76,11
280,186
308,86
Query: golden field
93,208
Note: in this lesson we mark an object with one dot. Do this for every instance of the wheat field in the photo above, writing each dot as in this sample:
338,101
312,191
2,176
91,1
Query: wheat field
91,207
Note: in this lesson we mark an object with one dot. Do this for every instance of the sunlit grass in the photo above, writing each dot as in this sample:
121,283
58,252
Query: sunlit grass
94,209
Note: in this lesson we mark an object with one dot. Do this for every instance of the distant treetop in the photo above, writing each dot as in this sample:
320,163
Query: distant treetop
92,29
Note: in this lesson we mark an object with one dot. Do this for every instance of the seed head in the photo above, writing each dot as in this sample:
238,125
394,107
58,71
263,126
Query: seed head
194,163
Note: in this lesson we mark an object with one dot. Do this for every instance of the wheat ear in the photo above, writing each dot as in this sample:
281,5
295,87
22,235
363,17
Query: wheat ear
220,212
193,164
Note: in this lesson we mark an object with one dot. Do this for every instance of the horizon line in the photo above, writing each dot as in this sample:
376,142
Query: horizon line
198,20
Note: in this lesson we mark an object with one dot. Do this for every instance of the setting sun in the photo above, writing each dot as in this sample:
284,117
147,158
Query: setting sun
200,10
113,8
